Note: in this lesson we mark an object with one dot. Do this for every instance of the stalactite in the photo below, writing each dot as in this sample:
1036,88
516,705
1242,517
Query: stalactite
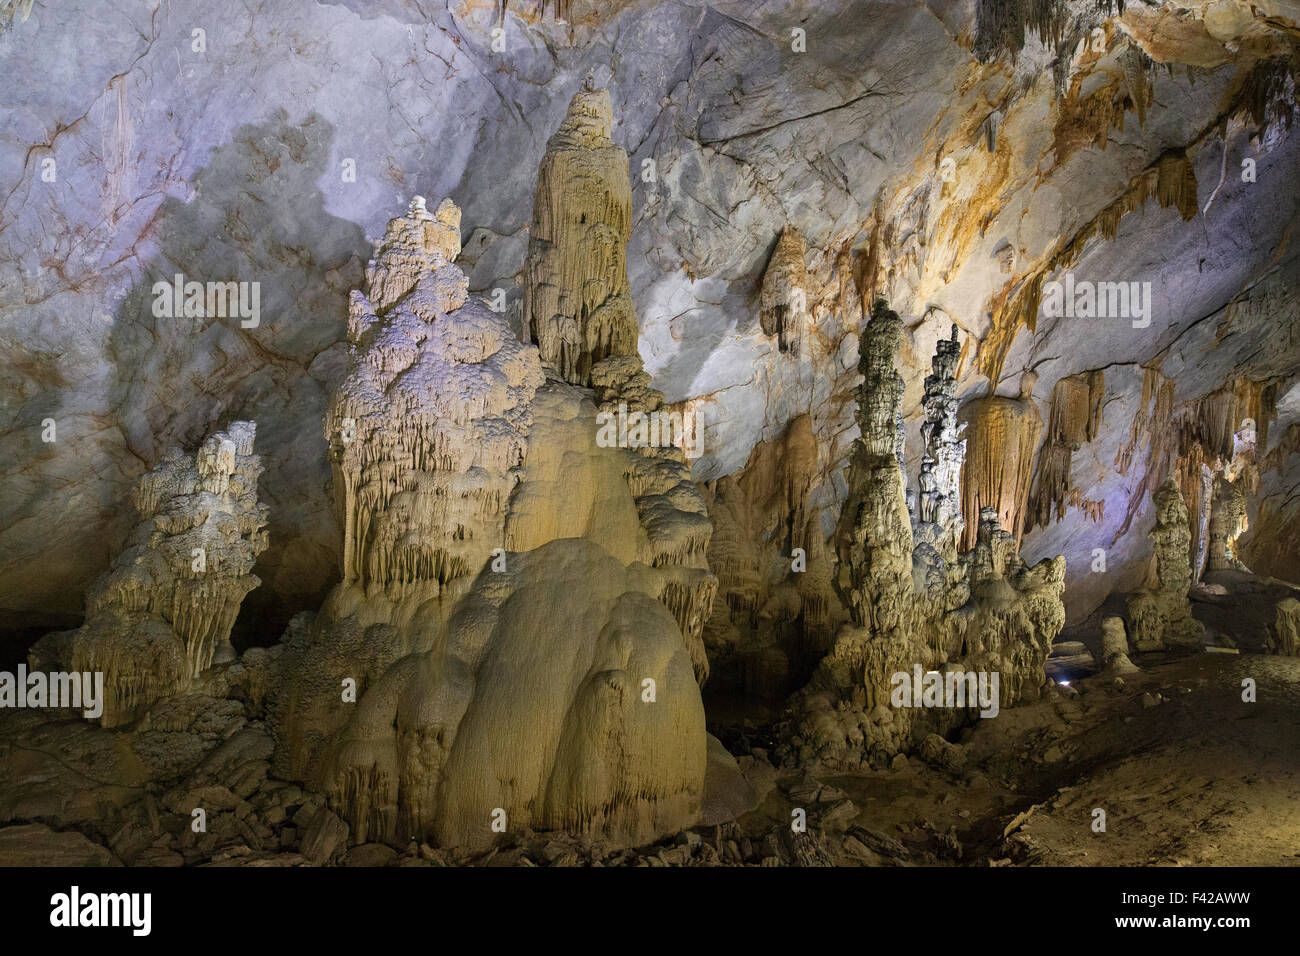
1002,25
1074,419
1093,509
783,302
1268,92
1001,439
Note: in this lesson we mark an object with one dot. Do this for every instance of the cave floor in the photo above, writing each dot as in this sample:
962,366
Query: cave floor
1186,772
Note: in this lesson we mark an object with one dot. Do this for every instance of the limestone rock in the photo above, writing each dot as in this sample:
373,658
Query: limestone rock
1114,648
727,794
164,613
428,429
1226,524
874,542
326,838
987,613
1287,627
776,610
1001,438
577,304
504,616
783,302
1160,614
35,844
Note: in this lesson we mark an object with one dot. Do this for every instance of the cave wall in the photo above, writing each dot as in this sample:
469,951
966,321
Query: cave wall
236,163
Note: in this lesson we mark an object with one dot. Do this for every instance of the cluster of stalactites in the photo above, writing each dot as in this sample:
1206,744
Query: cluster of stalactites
945,449
1001,439
577,303
1074,419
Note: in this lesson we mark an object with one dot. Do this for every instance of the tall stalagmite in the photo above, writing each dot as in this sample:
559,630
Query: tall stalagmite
985,612
577,305
1160,614
578,309
874,541
939,519
504,615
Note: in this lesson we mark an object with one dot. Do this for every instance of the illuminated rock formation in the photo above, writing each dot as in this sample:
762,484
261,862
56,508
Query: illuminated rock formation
939,520
1160,614
1001,439
428,429
874,541
164,612
1074,419
1286,627
516,639
783,300
1227,522
577,306
578,309
988,613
